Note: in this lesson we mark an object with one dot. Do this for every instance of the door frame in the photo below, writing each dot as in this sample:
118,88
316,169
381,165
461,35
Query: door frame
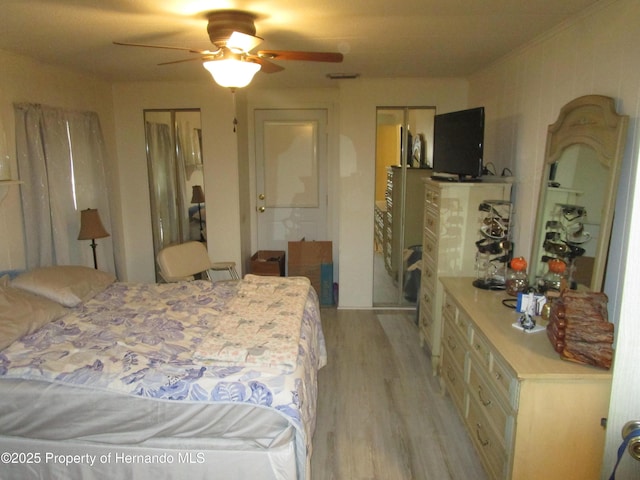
312,212
332,166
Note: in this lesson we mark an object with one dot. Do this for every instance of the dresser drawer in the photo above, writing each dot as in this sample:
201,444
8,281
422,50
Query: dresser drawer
501,378
481,349
426,330
456,345
449,308
427,302
505,381
429,277
453,379
429,248
487,441
426,316
460,321
491,402
432,198
431,222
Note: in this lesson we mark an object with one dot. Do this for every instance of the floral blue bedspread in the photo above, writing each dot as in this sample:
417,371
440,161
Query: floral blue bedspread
140,339
262,324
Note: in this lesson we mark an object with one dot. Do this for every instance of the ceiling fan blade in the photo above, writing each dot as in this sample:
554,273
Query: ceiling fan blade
265,65
242,42
167,47
186,60
305,56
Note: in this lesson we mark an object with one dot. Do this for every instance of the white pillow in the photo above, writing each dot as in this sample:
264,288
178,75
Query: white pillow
69,285
22,313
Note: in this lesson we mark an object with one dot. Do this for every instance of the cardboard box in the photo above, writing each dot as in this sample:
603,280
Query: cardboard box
268,262
313,260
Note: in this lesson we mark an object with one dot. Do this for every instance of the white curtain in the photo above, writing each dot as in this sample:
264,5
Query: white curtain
185,157
61,158
166,173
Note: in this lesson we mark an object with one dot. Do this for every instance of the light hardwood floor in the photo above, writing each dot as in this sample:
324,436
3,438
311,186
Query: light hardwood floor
381,414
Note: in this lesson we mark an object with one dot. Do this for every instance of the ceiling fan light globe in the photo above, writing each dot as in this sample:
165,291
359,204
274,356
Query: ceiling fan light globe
232,73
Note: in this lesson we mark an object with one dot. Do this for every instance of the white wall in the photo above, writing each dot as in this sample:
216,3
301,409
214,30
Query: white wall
24,80
596,53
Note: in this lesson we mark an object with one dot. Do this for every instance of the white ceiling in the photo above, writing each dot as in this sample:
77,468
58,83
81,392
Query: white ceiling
379,38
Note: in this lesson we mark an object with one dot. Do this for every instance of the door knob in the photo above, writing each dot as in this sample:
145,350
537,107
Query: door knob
630,442
631,433
261,196
260,209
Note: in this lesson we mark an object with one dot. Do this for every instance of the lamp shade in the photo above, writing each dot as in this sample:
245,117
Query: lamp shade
198,194
231,72
90,225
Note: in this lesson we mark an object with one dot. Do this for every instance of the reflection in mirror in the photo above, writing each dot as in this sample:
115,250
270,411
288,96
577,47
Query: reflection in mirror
577,196
404,146
174,161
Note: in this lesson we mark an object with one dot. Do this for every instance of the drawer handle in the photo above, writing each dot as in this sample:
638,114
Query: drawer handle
484,443
477,347
450,375
486,403
452,344
498,376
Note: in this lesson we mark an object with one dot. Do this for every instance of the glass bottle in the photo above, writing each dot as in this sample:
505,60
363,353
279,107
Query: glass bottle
517,281
553,279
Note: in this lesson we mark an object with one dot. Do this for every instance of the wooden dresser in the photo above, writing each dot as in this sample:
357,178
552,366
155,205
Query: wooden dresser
529,414
451,222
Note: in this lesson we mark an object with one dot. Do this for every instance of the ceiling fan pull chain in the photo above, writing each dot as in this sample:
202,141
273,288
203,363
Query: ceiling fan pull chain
235,117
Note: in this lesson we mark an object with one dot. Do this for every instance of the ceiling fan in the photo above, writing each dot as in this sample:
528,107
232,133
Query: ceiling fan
231,63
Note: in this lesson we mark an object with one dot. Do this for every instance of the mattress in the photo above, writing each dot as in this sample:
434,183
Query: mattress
115,387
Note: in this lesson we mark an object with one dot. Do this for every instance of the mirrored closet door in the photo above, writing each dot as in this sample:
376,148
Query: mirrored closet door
176,182
404,147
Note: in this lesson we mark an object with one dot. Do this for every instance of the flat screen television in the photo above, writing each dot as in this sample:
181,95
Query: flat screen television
458,141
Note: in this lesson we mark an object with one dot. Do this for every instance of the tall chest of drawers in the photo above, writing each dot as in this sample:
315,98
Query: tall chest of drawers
528,413
451,224
392,241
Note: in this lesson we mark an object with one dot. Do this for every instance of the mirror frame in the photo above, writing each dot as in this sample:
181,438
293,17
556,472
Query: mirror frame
590,120
179,185
390,273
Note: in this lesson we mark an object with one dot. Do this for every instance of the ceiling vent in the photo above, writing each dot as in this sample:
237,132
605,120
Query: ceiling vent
342,76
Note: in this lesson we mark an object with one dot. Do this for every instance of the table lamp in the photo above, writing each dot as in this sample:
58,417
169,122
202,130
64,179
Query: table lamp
91,228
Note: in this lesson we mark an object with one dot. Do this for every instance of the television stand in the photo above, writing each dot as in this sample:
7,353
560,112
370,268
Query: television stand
451,177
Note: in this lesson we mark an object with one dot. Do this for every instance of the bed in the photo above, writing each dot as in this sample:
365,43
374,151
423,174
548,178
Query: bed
102,379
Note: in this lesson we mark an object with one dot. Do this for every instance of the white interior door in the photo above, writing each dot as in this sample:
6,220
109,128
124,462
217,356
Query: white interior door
625,391
291,176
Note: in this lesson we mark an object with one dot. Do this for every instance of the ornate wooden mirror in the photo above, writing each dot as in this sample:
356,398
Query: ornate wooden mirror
577,196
